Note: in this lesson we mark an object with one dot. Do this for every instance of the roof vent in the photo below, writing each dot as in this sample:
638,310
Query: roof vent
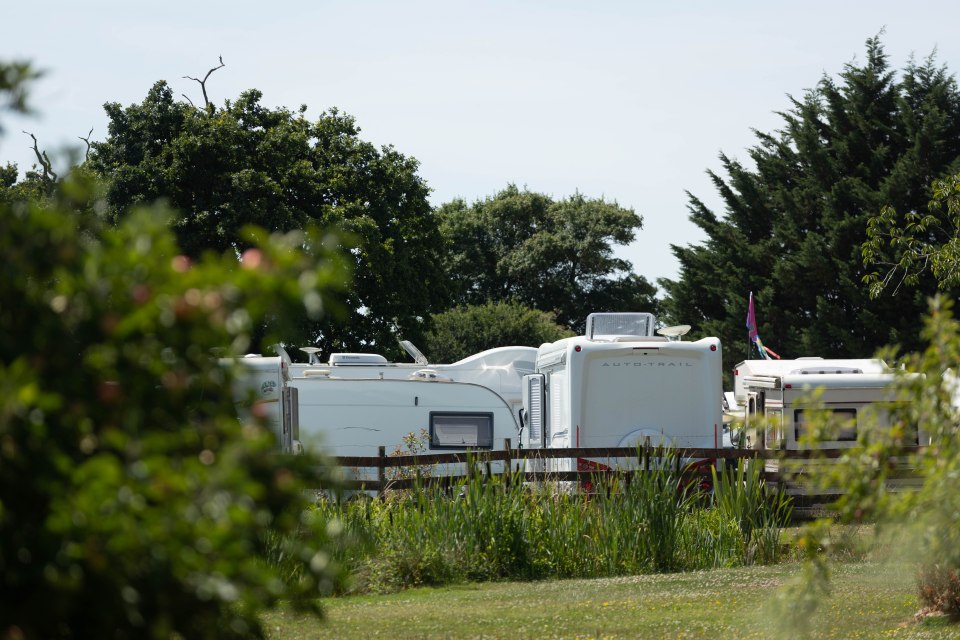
620,324
821,370
428,375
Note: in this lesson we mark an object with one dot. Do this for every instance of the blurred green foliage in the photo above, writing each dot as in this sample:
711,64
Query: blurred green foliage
15,79
133,502
923,245
910,495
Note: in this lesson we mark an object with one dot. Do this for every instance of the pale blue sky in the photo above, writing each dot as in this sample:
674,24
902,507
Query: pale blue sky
632,101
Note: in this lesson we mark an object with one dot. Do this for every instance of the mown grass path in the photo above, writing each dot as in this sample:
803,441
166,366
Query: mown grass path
868,601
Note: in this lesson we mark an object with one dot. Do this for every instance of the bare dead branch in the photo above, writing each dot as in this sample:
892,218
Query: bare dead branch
86,156
203,83
48,172
187,98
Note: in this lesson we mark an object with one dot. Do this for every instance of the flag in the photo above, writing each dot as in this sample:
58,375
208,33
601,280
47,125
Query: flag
751,321
752,330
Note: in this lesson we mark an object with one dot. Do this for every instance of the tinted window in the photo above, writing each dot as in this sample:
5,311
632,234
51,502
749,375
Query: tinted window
847,418
459,430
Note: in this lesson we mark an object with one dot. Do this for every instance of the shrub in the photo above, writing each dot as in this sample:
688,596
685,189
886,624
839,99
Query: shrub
925,520
133,503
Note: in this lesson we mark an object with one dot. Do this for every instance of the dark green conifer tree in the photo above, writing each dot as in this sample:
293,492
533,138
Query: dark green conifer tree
795,221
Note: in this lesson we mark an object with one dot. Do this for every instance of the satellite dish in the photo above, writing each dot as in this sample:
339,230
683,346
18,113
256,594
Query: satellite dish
674,332
311,354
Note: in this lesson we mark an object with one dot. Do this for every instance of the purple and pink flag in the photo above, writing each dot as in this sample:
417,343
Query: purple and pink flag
765,353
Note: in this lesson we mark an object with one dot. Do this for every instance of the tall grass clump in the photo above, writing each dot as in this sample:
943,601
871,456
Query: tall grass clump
642,516
499,527
711,540
741,495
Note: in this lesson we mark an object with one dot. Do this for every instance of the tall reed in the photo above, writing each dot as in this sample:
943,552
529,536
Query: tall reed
492,528
743,496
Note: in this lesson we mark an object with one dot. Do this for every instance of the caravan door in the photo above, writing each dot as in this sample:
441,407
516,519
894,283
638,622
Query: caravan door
764,419
534,418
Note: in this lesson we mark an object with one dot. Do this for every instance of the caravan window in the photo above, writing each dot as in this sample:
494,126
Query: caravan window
847,419
459,430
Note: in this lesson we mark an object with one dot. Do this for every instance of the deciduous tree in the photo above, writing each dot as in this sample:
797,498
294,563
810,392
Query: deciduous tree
463,331
552,255
919,246
244,163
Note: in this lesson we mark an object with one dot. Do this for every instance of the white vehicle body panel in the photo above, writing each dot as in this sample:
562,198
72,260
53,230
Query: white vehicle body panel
359,402
354,417
619,391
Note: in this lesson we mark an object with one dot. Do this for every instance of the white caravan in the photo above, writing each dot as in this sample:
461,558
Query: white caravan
261,390
620,384
775,398
501,369
356,403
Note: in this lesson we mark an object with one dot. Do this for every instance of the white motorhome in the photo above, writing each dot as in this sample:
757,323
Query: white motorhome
356,403
775,397
620,384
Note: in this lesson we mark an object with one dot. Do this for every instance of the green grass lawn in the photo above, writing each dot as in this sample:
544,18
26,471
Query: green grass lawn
868,601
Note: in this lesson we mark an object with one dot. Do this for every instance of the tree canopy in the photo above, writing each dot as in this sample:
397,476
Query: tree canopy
795,223
551,255
463,331
244,163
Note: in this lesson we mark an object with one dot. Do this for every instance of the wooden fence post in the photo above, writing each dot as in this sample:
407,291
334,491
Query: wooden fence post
507,464
381,470
646,453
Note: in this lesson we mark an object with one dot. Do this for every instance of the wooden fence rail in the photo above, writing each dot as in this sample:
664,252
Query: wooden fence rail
448,469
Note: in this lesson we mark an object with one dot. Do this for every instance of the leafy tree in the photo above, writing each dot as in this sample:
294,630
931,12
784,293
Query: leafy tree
463,331
244,163
922,245
133,503
550,255
37,186
8,178
12,190
795,223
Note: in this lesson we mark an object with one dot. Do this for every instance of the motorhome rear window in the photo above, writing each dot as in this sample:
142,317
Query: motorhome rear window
459,430
847,418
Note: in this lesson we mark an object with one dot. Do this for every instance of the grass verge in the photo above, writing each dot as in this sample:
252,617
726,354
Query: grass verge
868,600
